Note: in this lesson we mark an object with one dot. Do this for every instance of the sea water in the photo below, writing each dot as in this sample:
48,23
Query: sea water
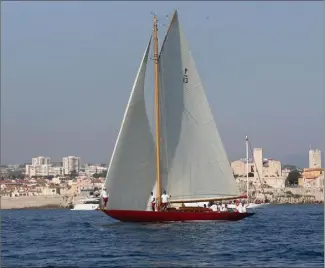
277,236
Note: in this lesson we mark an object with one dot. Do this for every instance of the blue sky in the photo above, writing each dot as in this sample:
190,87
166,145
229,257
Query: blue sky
68,68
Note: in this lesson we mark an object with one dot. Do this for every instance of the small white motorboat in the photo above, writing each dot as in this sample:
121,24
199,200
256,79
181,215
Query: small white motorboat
256,205
87,204
250,205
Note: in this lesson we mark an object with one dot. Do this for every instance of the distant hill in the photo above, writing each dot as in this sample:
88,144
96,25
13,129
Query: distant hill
298,160
291,167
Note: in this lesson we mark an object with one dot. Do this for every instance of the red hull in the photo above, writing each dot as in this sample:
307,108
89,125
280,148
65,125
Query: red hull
151,216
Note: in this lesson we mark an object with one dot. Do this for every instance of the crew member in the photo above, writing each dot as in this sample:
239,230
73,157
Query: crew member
104,195
164,200
153,202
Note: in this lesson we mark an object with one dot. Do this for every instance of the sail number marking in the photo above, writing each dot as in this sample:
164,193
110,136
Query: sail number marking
185,77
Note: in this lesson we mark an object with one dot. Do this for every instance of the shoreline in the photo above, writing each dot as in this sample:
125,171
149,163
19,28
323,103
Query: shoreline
37,207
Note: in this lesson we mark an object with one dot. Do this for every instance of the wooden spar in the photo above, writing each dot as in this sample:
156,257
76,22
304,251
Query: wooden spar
206,199
157,109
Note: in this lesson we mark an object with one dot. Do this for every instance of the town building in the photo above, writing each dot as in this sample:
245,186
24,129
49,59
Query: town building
312,177
40,160
41,166
260,170
71,164
315,158
264,167
93,169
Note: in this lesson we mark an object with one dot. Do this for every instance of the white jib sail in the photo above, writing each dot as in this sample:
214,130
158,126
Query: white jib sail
194,162
132,171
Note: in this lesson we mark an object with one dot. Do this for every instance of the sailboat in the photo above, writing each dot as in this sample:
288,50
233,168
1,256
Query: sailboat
186,158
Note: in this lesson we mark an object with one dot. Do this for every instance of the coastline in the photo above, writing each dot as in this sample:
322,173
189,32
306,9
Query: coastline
37,207
31,202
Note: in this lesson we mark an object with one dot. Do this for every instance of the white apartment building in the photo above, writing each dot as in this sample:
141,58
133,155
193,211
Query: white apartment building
315,158
37,170
41,166
70,164
56,171
40,160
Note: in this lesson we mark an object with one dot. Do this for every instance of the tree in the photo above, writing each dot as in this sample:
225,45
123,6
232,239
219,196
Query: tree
100,175
16,174
293,177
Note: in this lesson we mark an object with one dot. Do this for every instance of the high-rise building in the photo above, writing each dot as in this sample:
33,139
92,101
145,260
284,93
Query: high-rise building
315,158
70,164
40,160
40,167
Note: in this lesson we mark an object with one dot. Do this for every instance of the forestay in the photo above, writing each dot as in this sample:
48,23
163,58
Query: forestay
132,170
194,162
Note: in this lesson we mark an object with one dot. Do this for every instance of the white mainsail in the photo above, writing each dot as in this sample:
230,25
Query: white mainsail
194,162
132,171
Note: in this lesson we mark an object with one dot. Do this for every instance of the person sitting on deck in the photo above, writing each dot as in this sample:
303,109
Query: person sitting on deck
226,207
152,201
104,195
164,200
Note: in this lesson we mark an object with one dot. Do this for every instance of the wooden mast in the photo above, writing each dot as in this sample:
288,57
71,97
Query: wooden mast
157,109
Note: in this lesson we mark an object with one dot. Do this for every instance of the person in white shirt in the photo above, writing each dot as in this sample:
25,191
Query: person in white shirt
243,209
96,193
240,208
104,195
223,206
226,208
164,200
153,202
214,207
